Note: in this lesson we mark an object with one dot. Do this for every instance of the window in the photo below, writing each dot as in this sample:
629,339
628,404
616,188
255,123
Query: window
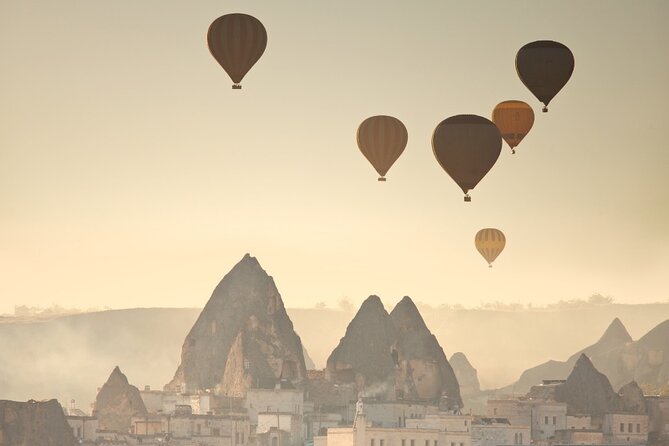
629,427
404,442
465,422
236,437
198,429
372,442
275,441
427,442
622,427
399,423
546,419
436,443
215,432
520,438
413,443
638,428
494,411
381,442
554,419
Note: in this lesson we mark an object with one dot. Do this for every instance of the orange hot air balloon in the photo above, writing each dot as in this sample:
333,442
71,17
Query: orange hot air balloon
490,243
514,120
466,147
544,67
237,41
382,140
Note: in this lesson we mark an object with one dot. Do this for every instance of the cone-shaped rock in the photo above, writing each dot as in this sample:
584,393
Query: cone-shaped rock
243,338
117,402
616,334
365,353
632,398
34,424
424,371
465,373
587,391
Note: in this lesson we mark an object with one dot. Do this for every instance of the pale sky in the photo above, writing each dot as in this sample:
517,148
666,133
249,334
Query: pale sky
132,175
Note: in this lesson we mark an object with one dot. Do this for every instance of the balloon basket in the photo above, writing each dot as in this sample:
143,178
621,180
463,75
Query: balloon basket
513,151
545,109
382,179
468,198
236,87
489,266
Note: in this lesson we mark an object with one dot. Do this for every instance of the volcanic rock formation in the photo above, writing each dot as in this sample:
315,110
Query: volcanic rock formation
587,391
465,373
117,402
424,371
393,356
367,354
243,338
34,424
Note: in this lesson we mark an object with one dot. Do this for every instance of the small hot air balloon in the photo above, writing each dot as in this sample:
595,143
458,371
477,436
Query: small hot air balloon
490,242
544,67
514,120
466,147
237,41
382,140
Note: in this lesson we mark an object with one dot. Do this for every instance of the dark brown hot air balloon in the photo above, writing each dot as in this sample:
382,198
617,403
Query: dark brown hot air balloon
514,119
237,41
466,146
382,140
544,67
490,242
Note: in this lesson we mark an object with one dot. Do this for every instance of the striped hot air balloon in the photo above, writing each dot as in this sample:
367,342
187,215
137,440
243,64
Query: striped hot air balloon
514,119
382,140
237,41
490,243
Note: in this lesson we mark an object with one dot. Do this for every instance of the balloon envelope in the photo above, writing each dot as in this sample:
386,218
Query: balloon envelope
382,140
237,41
466,147
490,242
514,119
544,67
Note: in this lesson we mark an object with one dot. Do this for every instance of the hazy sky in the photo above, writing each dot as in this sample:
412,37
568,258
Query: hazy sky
131,174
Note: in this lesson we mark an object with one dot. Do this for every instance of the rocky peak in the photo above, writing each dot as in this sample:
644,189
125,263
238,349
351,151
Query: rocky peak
365,353
117,402
465,373
245,315
587,391
406,317
615,334
423,370
632,398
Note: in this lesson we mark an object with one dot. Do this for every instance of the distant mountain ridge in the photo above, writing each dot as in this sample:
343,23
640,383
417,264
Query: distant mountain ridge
616,355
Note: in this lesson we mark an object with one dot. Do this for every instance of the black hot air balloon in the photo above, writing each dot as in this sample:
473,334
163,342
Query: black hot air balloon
237,41
466,146
544,67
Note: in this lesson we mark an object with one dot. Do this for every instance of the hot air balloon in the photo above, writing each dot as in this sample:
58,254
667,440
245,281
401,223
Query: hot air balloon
466,147
237,41
544,67
514,120
490,242
382,140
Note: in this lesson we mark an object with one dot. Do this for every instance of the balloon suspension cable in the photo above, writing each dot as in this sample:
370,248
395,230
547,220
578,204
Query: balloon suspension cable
382,178
236,87
545,109
468,198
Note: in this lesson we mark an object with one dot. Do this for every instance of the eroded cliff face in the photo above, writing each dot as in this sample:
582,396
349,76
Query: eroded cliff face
34,423
117,402
393,356
243,338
